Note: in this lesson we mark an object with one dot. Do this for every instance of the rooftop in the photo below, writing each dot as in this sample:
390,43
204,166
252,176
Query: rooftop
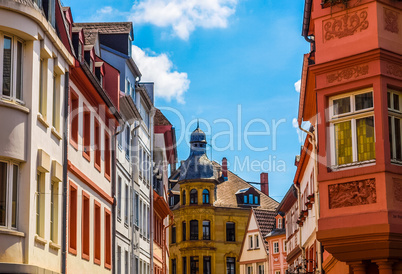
108,27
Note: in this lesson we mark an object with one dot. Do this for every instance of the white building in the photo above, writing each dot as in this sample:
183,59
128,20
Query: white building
34,67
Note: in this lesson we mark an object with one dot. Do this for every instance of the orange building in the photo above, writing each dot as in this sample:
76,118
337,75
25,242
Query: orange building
351,92
277,247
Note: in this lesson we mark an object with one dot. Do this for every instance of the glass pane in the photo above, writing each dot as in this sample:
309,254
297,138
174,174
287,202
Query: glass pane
389,99
364,101
365,139
396,101
343,143
342,106
7,66
391,145
3,193
54,112
14,195
18,87
398,138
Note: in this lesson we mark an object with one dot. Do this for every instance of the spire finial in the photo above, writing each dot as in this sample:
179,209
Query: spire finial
198,123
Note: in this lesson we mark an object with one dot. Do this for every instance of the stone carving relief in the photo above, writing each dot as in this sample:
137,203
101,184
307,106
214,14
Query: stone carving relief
391,20
394,70
347,73
398,189
352,193
345,25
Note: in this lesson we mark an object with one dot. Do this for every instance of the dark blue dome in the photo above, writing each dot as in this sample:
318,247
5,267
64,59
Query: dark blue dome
198,136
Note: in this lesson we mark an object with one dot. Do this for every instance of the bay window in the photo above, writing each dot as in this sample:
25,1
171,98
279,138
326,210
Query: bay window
352,134
8,194
395,125
11,58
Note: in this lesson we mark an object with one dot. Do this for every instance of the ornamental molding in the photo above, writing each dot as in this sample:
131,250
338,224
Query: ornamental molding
345,25
391,20
347,73
394,70
354,193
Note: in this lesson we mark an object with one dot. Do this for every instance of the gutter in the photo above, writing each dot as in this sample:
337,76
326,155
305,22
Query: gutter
306,20
64,195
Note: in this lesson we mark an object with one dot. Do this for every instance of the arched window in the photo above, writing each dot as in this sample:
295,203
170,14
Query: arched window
193,230
206,230
183,200
193,196
205,196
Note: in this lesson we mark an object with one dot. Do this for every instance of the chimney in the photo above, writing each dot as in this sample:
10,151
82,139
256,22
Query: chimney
225,168
264,183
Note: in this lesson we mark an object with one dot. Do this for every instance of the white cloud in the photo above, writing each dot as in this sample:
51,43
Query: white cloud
169,84
297,86
106,13
295,124
184,16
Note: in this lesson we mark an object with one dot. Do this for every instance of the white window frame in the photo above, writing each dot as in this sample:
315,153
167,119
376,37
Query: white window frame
250,242
275,247
261,269
13,81
393,113
279,223
256,240
9,195
352,116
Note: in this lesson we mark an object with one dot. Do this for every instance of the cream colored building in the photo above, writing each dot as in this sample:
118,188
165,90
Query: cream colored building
254,254
33,72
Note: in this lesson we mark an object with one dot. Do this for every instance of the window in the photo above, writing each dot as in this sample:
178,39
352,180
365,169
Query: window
277,272
261,269
108,238
148,226
56,102
279,222
230,232
251,198
174,267
40,199
249,269
173,234
144,114
97,232
184,231
74,115
97,145
284,246
72,224
276,247
250,242
119,198
136,205
395,125
206,230
11,68
107,156
86,137
126,203
85,226
245,199
194,265
193,196
183,201
141,219
207,264
127,142
352,128
8,194
54,211
43,63
257,242
118,259
140,161
256,200
184,260
193,230
230,265
205,196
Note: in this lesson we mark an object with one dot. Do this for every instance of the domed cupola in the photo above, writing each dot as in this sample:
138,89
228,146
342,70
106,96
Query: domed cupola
197,165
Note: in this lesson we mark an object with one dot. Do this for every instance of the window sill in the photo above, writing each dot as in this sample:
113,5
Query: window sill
42,120
352,165
107,177
396,162
125,225
11,232
15,105
86,156
74,144
97,167
97,261
119,219
54,245
40,240
56,134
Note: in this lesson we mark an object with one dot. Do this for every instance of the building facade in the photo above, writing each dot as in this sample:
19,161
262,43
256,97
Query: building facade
276,242
211,207
254,253
34,67
351,93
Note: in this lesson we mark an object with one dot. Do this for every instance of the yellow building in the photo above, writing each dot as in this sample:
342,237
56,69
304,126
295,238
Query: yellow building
211,207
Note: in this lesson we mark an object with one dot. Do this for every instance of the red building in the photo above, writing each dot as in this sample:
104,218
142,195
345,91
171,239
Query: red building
351,92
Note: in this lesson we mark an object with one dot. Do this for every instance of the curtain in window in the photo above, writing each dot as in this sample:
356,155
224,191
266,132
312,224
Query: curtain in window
343,139
365,138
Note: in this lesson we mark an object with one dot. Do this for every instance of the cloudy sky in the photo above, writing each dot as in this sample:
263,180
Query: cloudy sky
233,64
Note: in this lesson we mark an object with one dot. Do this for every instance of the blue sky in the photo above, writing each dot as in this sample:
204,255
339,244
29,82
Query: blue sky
210,58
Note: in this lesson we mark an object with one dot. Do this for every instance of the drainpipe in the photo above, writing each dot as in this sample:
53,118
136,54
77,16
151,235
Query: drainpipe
164,263
314,155
151,193
65,159
300,234
114,196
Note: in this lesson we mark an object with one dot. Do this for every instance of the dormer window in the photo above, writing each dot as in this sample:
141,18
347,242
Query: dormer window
248,196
